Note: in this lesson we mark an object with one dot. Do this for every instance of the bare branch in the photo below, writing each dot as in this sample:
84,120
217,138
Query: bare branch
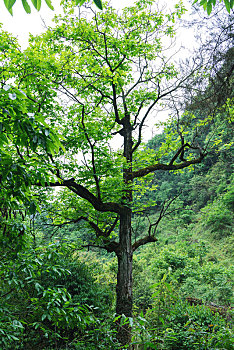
151,238
117,118
166,167
110,247
143,120
180,151
112,227
84,193
93,157
143,241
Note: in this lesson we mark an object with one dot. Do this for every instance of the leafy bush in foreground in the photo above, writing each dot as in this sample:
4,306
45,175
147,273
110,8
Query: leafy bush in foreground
173,324
37,309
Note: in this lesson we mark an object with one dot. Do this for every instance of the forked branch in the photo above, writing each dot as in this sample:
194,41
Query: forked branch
151,237
159,166
84,193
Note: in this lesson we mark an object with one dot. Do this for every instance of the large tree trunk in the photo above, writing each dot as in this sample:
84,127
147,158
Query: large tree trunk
124,277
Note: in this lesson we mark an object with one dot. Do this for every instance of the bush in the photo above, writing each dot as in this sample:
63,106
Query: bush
174,324
37,309
195,327
218,216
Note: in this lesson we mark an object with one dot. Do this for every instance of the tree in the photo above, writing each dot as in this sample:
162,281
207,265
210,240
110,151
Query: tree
97,81
22,126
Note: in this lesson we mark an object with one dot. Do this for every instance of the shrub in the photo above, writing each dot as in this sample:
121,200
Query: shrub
218,218
174,324
37,309
195,327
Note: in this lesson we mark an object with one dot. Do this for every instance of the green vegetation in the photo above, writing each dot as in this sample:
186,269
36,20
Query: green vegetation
37,4
106,247
208,5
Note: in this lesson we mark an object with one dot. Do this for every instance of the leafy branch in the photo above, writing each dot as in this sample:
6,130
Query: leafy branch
37,4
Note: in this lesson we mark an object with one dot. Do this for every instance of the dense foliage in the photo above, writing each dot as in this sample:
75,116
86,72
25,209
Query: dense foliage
50,297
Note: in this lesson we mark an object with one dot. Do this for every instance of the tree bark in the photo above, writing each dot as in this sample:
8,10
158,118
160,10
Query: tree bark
124,299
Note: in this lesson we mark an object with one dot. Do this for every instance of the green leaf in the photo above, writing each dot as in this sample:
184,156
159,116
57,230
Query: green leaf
38,287
26,6
98,3
8,6
3,139
161,320
14,338
80,2
116,318
49,4
36,4
227,4
130,321
9,3
231,3
43,317
209,8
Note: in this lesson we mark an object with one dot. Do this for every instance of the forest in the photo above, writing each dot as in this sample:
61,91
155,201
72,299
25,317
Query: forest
116,183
